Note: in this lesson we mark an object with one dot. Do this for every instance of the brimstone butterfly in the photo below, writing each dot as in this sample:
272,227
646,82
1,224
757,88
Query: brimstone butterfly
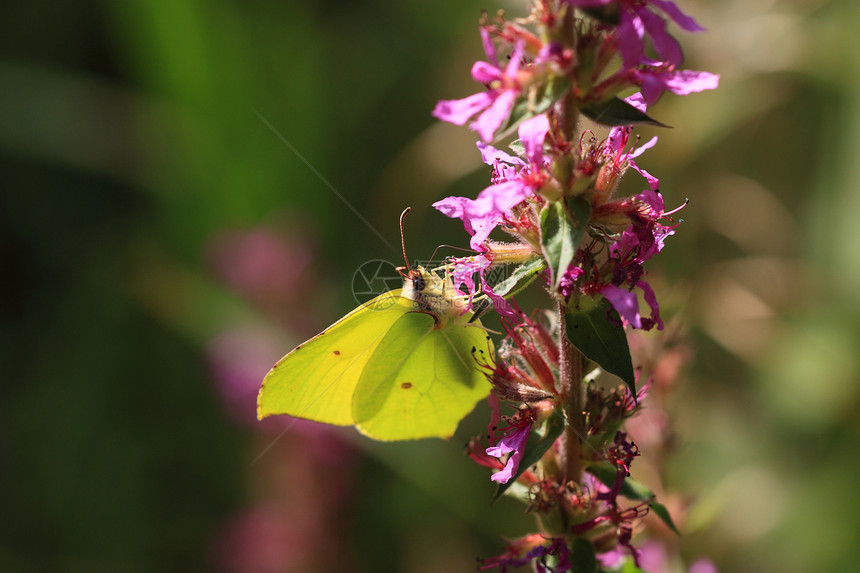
399,367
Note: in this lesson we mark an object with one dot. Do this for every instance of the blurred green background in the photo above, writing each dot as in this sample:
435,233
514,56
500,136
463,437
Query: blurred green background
171,224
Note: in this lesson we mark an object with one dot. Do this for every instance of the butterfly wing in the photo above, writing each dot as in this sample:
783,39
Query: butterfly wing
316,381
421,380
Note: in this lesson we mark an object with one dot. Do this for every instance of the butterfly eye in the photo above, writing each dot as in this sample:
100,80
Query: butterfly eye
419,284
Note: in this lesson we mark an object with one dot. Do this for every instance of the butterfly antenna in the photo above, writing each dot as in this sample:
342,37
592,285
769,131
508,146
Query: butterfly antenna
402,239
450,247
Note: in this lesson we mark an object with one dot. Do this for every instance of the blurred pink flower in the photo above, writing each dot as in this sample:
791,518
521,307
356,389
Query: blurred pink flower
239,360
260,540
260,263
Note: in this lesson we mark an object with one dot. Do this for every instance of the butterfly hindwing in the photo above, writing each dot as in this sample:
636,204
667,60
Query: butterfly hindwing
421,380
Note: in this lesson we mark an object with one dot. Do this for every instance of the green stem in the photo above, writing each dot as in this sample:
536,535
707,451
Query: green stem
570,373
568,108
570,359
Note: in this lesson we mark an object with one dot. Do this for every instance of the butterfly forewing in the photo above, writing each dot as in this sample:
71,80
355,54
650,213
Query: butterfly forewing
316,381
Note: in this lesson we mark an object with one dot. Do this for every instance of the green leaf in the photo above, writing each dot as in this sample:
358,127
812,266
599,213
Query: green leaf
598,334
560,235
537,445
660,510
631,489
582,556
615,111
517,147
533,103
522,277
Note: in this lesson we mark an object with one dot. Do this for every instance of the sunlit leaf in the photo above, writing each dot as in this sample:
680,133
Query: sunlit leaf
522,277
561,234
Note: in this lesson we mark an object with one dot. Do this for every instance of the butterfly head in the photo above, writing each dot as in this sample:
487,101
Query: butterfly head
431,293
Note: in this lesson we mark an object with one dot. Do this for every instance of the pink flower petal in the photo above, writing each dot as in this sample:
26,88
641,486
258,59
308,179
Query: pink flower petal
684,82
500,303
629,36
490,155
459,111
532,135
651,299
682,20
625,302
516,58
637,101
514,442
485,73
453,207
489,121
489,48
664,44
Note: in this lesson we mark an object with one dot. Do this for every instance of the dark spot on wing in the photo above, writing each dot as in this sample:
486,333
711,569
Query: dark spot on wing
406,385
336,352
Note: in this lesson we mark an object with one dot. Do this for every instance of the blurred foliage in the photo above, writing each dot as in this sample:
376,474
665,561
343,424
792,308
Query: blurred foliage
171,222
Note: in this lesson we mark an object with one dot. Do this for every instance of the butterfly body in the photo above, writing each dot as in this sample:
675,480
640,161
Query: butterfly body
398,367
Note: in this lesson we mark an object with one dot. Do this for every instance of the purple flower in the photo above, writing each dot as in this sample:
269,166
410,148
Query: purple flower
625,302
614,558
493,105
616,157
657,77
568,280
462,275
513,182
642,239
647,235
513,442
462,271
638,18
500,303
703,565
534,549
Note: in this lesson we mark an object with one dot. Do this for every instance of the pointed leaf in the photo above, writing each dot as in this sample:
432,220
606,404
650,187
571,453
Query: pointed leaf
631,489
517,147
582,556
615,112
560,235
522,277
660,510
579,211
598,334
536,447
